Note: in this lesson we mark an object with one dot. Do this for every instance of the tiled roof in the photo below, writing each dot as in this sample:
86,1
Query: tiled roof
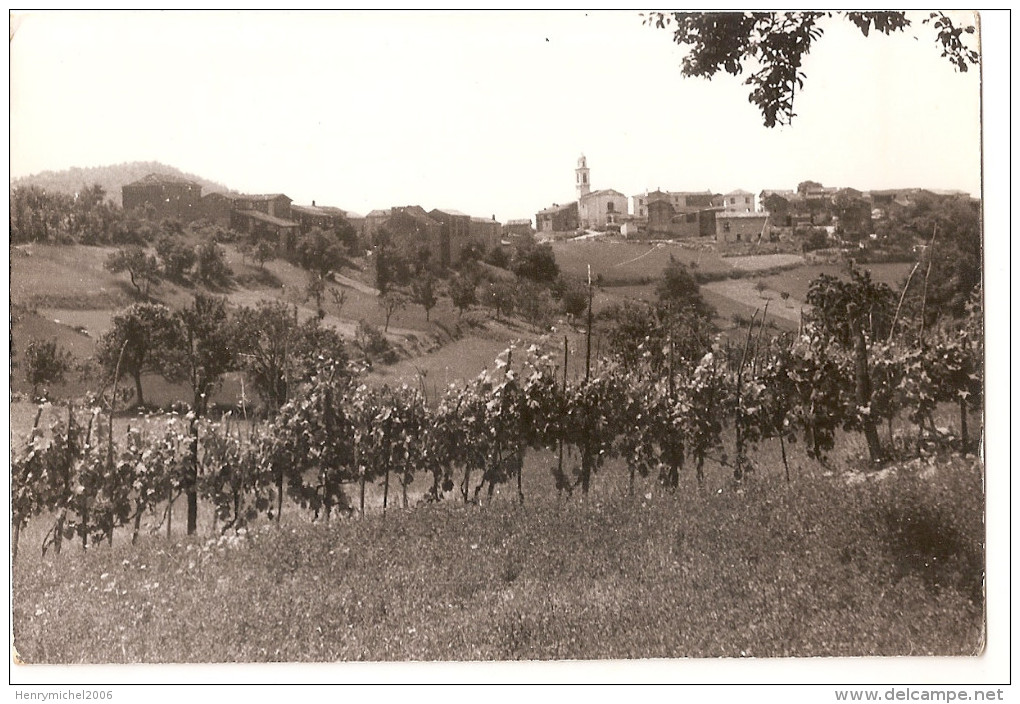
520,221
558,208
603,192
730,214
155,179
249,196
264,217
451,211
324,210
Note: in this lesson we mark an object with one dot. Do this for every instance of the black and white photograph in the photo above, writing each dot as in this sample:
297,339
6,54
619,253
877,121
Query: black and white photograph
603,346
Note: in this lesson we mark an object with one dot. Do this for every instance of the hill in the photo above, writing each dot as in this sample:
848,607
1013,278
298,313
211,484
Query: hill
111,178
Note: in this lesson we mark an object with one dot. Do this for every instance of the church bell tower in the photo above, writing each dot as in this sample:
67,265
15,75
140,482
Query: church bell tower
582,183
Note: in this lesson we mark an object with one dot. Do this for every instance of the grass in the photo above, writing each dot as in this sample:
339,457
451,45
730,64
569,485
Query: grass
819,567
64,276
796,281
623,263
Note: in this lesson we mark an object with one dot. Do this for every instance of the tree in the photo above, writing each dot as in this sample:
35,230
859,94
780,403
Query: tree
814,238
852,313
347,234
206,347
804,186
141,340
679,289
339,296
463,292
534,303
776,205
142,268
392,265
501,296
951,230
320,251
176,255
775,43
391,302
854,213
211,266
498,258
315,287
277,352
206,352
423,292
573,295
46,363
536,262
263,252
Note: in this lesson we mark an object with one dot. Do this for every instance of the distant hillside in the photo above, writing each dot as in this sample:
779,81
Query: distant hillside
111,178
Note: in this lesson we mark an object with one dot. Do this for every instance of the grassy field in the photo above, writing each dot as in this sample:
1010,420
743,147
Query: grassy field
890,565
796,281
622,263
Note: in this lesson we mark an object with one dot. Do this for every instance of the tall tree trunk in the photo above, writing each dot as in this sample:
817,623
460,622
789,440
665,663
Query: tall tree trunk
964,439
786,465
58,532
191,480
465,486
863,395
279,495
587,460
138,388
14,541
520,471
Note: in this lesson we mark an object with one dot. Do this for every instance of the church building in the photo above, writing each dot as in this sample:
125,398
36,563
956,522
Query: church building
596,210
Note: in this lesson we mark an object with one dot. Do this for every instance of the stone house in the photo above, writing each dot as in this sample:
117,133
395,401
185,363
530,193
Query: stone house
557,218
455,233
739,227
168,196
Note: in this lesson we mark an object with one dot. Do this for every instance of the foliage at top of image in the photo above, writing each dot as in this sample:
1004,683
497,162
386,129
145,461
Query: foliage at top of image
772,46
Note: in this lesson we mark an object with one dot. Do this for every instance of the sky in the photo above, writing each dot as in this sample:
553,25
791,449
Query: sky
484,112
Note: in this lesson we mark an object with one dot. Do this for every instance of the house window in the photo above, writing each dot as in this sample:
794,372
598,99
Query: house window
733,201
610,207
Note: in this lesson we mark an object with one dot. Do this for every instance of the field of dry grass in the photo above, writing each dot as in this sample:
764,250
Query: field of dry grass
622,263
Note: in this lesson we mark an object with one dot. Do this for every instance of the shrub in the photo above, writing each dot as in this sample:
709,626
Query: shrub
46,363
374,345
211,265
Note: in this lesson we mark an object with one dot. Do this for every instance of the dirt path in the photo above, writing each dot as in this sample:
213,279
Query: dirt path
355,284
759,262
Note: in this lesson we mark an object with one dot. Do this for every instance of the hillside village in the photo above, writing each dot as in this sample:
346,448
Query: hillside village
738,216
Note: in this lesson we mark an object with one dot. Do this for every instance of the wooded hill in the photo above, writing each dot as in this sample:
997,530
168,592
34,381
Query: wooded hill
111,178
